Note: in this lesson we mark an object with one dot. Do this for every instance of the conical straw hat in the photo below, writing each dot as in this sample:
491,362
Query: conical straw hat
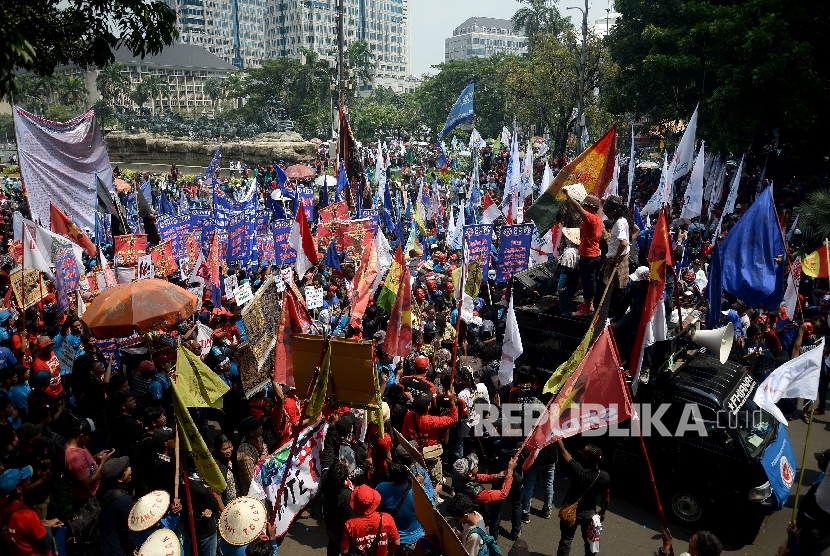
148,510
242,520
163,542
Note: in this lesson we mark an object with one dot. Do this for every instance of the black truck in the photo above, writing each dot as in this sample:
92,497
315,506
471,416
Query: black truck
701,473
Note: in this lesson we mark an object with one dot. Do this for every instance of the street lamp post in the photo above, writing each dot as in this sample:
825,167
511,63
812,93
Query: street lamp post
581,102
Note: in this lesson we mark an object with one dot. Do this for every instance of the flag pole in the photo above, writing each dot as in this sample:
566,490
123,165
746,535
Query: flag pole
803,465
461,287
297,430
194,543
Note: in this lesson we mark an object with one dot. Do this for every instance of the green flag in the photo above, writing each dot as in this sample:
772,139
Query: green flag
198,385
195,444
562,373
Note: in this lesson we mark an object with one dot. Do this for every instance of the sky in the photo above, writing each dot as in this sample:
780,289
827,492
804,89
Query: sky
434,20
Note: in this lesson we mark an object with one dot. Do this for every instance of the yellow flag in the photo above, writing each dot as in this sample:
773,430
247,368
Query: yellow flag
562,373
195,445
198,385
318,395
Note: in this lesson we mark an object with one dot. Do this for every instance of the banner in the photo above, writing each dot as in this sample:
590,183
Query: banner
371,215
514,250
224,208
175,228
29,281
240,239
192,245
353,236
129,248
66,277
479,240
307,202
283,252
305,468
779,462
59,162
259,316
202,225
162,257
145,267
335,211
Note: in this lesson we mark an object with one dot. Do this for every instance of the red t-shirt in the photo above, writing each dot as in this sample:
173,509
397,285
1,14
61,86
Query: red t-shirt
590,233
429,429
359,532
55,387
22,529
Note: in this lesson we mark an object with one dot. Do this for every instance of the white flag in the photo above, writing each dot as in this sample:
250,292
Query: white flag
694,191
511,348
527,172
81,304
505,135
32,257
476,140
614,184
455,238
685,152
790,295
729,208
547,178
658,198
384,255
797,378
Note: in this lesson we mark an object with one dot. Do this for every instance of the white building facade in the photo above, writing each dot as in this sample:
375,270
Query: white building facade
481,37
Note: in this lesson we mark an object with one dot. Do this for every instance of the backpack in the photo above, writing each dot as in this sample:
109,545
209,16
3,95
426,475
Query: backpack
489,547
83,538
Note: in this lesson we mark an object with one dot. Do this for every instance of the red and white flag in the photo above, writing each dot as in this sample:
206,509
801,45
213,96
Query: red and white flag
491,210
594,396
302,240
293,320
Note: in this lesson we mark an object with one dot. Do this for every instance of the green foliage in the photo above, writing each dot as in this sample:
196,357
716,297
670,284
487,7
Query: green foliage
6,126
439,92
758,68
150,88
213,88
11,170
40,35
60,112
360,64
538,19
71,90
814,214
104,113
385,113
113,85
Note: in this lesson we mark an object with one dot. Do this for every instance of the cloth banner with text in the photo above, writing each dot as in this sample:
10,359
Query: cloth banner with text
514,250
129,248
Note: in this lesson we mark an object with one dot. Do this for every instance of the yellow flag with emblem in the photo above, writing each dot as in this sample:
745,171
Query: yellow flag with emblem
195,445
198,385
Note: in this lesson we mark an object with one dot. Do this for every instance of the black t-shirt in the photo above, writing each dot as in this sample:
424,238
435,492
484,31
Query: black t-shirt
584,487
203,499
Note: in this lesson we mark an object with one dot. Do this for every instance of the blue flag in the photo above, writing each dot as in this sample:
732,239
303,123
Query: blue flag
388,210
638,218
359,194
342,183
165,206
441,159
332,257
282,179
748,254
462,110
214,162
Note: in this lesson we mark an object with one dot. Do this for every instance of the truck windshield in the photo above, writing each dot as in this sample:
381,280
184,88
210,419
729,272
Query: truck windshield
756,427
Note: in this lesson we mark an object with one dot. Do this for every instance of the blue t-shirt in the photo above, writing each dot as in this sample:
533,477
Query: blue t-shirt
19,393
7,358
408,525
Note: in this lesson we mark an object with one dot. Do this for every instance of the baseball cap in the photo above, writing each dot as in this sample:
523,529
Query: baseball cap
11,478
114,468
639,275
28,430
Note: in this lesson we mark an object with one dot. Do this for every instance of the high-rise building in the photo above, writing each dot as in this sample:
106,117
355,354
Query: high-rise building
603,26
481,37
233,30
383,24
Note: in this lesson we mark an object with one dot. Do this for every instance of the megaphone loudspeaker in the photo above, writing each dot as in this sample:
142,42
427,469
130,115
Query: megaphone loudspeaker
718,341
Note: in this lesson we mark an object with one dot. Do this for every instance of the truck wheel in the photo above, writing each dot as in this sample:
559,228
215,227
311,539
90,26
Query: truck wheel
687,507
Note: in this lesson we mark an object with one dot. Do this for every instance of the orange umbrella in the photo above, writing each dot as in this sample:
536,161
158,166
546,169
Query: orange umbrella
140,306
122,186
300,172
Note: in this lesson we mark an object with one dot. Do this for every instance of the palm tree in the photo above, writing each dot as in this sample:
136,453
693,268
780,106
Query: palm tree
360,60
814,214
113,85
537,18
36,91
150,88
71,90
213,88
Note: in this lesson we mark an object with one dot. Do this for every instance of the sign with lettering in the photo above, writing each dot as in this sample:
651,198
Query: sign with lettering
243,294
514,250
283,252
146,269
174,229
129,248
479,240
313,297
28,287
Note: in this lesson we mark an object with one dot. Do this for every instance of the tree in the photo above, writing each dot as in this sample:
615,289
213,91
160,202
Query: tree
385,113
71,91
360,62
757,68
35,92
213,89
39,35
150,88
439,92
7,127
814,215
113,84
539,18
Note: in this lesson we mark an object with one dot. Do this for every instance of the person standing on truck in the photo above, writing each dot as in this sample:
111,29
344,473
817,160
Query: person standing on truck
615,265
590,232
587,482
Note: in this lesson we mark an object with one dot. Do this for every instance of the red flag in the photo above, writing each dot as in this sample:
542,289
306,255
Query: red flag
595,395
109,276
399,330
63,225
129,248
213,261
293,320
192,247
363,280
659,256
163,260
335,211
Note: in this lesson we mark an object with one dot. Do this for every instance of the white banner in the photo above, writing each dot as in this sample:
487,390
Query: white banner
58,162
303,480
